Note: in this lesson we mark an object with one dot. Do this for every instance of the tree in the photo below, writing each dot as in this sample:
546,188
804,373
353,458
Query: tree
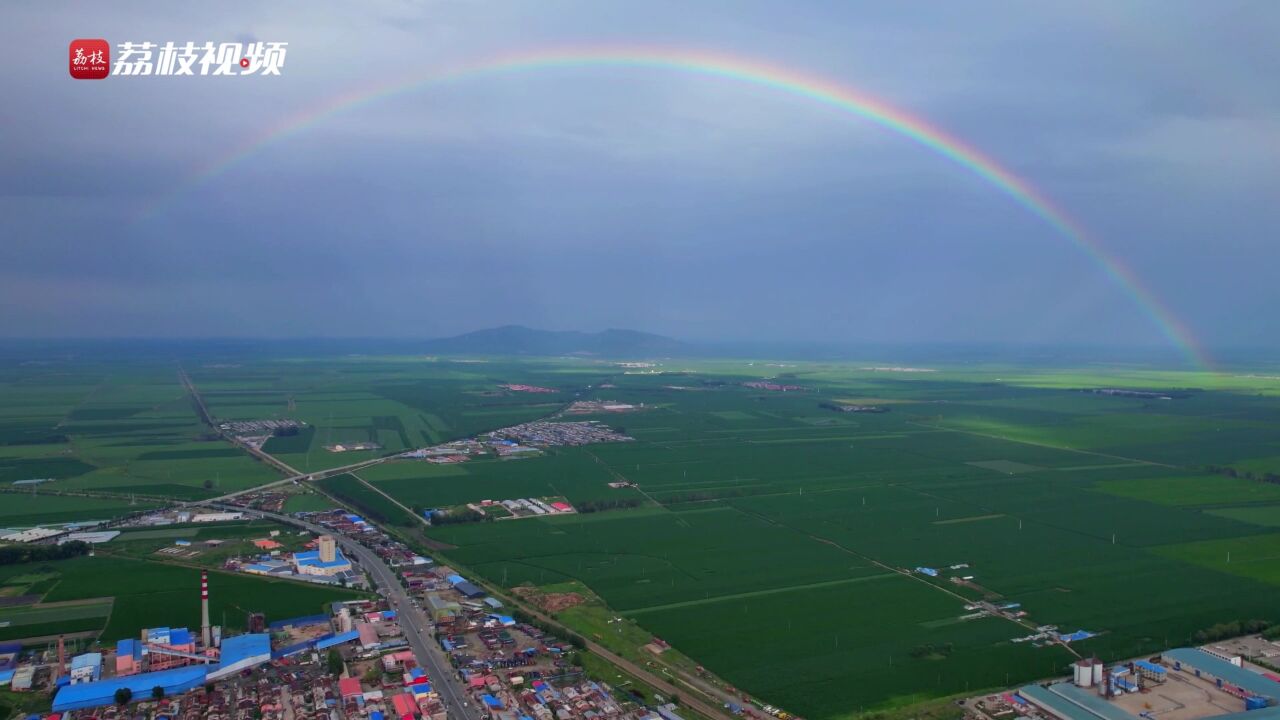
335,662
123,696
208,484
157,693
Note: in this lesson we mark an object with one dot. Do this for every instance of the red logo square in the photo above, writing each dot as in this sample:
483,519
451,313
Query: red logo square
89,59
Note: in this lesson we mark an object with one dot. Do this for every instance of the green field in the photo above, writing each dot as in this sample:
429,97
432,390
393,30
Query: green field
770,539
772,526
140,594
24,509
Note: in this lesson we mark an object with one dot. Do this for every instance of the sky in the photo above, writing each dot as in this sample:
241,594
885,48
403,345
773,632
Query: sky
589,197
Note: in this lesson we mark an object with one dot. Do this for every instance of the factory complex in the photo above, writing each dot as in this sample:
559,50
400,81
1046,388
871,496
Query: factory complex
1180,684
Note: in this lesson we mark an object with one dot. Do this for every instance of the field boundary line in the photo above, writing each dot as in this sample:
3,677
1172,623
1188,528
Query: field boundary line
755,593
905,573
1044,445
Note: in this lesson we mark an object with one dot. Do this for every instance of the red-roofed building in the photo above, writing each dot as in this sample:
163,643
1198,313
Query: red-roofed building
404,705
350,687
267,544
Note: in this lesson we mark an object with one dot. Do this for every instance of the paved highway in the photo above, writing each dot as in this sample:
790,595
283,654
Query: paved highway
418,629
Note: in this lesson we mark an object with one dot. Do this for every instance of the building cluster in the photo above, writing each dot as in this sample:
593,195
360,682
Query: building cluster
594,407
510,509
277,670
852,408
510,669
551,434
1129,393
525,440
322,562
260,427
772,386
527,388
82,531
391,551
351,447
181,517
270,500
256,433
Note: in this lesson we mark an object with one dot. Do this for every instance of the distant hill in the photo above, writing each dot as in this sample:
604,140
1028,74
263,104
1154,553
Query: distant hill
520,340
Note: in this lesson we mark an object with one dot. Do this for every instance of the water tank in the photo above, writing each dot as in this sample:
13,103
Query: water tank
1084,673
1097,673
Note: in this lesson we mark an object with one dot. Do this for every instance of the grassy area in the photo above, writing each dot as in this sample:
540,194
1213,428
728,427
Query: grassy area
150,594
25,509
775,540
21,704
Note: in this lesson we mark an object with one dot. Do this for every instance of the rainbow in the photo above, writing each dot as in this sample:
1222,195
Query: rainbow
791,82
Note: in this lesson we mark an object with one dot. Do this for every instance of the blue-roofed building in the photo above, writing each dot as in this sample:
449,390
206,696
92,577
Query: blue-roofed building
1202,664
102,692
310,563
329,641
241,652
179,636
86,668
455,579
494,603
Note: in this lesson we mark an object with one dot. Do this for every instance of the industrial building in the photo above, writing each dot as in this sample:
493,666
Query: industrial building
1097,692
326,560
236,654
1225,673
96,694
86,668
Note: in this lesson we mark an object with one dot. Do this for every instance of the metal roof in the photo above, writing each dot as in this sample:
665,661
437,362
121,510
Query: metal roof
1055,703
102,692
311,558
242,647
1203,661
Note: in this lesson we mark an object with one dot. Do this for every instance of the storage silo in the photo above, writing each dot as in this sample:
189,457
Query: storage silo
1084,673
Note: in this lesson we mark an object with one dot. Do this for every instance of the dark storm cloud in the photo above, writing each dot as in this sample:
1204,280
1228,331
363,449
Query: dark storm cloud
596,197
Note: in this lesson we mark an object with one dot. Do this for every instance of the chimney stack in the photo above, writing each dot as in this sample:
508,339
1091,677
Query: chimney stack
204,610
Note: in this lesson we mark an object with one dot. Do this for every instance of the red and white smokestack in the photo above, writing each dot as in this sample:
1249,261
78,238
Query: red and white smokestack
205,636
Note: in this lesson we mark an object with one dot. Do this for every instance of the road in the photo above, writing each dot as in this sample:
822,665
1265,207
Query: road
415,623
419,631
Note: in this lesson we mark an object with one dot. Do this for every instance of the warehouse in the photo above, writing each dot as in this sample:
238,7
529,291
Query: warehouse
241,653
468,590
95,694
1202,664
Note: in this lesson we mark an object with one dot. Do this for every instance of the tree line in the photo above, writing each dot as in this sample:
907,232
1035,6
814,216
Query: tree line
21,554
1246,474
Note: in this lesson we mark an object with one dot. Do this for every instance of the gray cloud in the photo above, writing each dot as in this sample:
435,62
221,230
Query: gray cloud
587,197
